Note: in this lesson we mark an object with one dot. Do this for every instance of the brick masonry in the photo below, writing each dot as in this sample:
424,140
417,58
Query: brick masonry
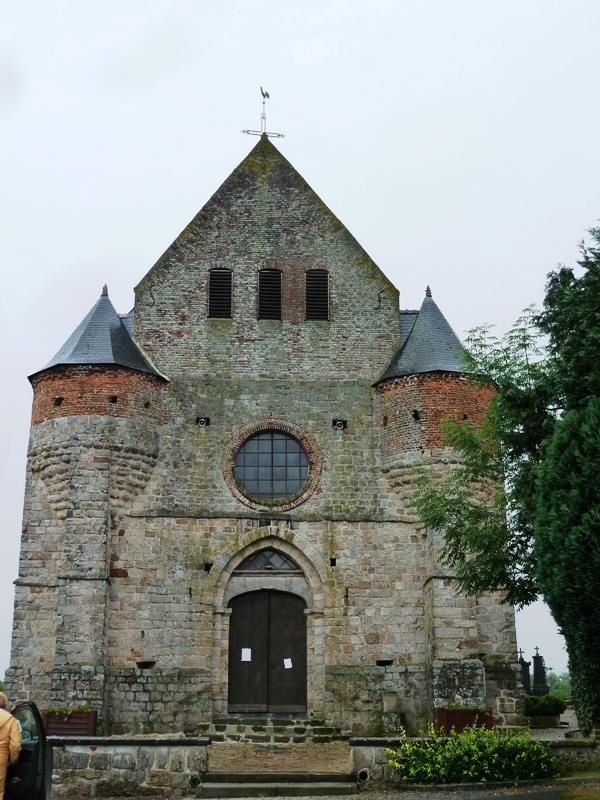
134,526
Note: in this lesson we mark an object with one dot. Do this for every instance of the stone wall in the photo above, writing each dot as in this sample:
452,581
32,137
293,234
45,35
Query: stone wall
127,767
192,477
369,753
411,410
81,474
148,547
105,390
159,700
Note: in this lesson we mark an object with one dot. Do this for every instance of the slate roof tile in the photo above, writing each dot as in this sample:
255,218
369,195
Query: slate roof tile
102,337
428,344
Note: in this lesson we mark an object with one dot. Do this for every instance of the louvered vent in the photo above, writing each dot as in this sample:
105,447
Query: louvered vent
269,294
219,293
317,294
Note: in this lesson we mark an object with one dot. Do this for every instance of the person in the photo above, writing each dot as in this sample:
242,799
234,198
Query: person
10,741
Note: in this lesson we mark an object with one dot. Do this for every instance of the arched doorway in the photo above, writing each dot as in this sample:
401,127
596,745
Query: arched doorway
267,639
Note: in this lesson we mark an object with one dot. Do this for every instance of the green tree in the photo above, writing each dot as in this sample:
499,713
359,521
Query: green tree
490,544
541,443
567,548
560,684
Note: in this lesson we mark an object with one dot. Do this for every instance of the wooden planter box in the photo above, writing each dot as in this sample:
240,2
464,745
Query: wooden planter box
78,723
461,718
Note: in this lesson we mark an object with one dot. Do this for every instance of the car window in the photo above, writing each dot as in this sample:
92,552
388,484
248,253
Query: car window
29,727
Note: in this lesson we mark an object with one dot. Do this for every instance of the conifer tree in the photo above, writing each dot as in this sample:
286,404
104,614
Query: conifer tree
538,457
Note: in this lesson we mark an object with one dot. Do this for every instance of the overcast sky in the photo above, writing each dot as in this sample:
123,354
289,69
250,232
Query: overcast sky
458,140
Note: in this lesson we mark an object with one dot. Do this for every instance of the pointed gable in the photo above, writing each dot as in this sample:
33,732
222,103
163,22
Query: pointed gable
429,344
102,337
260,190
265,218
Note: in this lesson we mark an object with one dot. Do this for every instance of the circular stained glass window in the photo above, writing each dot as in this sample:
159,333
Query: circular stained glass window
271,466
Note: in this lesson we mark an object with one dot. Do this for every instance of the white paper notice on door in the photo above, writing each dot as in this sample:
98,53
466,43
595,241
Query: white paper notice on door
246,654
287,663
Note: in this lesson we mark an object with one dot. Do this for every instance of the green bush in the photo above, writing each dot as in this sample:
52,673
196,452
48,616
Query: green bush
475,754
545,705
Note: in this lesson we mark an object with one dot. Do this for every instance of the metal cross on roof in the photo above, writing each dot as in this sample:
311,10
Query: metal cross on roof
263,120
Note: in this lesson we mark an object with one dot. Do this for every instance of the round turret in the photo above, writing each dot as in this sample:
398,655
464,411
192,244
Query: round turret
425,384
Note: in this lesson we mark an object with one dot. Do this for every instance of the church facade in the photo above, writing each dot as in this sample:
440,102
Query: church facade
218,511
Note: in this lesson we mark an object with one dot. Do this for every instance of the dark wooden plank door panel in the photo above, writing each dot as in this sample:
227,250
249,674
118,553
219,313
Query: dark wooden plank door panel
267,653
287,653
248,653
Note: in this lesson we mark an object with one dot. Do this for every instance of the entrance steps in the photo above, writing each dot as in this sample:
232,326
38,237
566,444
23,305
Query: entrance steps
271,767
276,785
274,730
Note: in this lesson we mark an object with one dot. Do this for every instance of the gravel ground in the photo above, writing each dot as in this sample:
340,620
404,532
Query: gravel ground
561,790
581,791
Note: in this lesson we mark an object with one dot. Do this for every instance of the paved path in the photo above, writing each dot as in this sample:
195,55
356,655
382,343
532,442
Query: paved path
586,791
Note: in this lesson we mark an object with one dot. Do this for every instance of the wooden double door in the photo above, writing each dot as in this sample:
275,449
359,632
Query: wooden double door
267,653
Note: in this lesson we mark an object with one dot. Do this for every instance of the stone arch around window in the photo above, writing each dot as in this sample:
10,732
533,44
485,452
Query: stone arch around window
305,582
268,560
309,447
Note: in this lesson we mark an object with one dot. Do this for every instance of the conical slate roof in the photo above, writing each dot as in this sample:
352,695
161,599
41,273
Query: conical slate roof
102,337
429,344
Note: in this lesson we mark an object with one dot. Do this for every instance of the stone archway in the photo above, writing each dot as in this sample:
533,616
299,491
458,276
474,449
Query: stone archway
262,597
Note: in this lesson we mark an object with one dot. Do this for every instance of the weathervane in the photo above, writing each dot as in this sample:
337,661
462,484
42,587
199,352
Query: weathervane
263,121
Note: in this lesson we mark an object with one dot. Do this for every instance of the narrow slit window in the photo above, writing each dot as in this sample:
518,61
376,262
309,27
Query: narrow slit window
317,294
269,294
219,293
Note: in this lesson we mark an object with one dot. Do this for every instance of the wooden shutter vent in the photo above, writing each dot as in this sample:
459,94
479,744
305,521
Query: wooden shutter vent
219,293
317,294
269,294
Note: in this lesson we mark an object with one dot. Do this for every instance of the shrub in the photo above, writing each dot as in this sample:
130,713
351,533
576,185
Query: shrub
545,705
475,754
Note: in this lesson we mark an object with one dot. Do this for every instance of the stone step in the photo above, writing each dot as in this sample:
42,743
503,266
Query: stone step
278,777
269,721
271,730
277,789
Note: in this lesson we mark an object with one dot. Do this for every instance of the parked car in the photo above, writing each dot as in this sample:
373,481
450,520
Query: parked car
31,778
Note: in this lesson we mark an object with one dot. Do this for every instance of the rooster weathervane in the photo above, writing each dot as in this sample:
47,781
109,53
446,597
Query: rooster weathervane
263,120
